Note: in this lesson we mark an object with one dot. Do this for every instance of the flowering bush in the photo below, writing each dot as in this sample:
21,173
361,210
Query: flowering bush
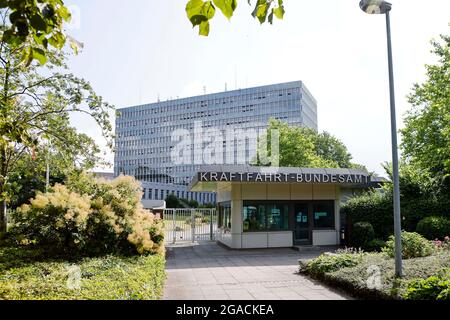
58,218
90,216
442,245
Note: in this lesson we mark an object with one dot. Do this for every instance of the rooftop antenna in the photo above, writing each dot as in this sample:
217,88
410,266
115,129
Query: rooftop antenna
226,87
159,100
204,89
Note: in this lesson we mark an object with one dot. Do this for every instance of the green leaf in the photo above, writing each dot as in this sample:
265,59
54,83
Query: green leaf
199,11
38,23
261,12
64,13
39,55
279,12
204,28
226,6
57,40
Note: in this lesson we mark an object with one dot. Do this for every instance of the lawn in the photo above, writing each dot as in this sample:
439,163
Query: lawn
27,274
357,279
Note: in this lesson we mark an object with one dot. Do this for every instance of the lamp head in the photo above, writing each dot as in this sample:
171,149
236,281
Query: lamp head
375,6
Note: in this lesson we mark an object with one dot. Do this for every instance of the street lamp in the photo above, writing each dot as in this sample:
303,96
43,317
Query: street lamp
383,7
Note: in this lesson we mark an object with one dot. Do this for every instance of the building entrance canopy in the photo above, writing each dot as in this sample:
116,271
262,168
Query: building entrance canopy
209,177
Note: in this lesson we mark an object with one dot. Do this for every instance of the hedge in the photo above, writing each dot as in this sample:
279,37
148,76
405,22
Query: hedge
377,209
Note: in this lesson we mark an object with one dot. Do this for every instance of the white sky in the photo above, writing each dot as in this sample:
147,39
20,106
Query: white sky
138,49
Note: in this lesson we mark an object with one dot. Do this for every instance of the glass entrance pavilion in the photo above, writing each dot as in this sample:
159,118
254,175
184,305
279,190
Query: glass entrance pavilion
266,207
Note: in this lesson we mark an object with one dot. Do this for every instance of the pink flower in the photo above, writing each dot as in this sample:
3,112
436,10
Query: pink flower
447,238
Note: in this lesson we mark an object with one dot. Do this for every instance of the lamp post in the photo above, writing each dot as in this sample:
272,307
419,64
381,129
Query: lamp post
383,7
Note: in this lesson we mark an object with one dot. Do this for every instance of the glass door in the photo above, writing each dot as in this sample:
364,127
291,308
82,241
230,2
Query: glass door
301,224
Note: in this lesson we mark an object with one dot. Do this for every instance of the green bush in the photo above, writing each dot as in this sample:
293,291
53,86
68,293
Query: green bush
374,208
434,227
377,209
375,245
432,288
362,233
29,274
90,216
413,246
331,262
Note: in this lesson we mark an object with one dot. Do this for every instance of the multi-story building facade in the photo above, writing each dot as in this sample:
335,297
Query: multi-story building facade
145,133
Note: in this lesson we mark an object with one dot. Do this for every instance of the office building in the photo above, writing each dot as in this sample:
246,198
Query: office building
145,133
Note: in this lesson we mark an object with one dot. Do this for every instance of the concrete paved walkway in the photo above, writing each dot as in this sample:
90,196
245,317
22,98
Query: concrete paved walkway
209,271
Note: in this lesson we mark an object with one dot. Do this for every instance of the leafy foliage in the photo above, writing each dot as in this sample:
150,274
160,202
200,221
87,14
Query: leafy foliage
419,199
200,12
375,245
304,147
377,266
34,27
433,288
100,217
362,233
434,227
173,202
413,246
426,136
35,107
374,208
29,274
332,262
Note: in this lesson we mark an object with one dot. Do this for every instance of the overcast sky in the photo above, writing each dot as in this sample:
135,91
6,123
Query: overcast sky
137,50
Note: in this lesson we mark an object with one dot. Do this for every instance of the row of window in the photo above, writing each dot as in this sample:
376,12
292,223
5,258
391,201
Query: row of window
178,105
162,194
237,156
259,120
263,109
280,216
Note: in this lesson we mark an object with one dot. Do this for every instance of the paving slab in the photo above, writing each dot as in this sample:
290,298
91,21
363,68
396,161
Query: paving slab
209,271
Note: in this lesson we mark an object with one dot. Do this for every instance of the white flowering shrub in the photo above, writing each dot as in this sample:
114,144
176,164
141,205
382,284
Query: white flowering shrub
90,216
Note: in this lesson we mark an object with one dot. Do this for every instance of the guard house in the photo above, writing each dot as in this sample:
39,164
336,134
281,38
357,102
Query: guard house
266,207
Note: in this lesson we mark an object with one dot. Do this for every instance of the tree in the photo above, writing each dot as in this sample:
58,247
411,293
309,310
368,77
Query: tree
28,175
172,201
35,26
426,136
35,107
304,147
330,148
42,21
200,12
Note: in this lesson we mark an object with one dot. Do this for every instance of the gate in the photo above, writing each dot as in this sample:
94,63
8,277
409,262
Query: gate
189,224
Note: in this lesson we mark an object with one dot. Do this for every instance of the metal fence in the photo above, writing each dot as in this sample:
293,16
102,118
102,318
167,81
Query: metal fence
189,224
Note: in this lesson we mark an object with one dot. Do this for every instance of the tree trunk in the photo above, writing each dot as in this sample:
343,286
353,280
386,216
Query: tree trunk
3,173
3,217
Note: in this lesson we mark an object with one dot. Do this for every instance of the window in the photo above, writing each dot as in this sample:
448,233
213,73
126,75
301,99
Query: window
278,217
224,216
265,216
254,217
323,215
